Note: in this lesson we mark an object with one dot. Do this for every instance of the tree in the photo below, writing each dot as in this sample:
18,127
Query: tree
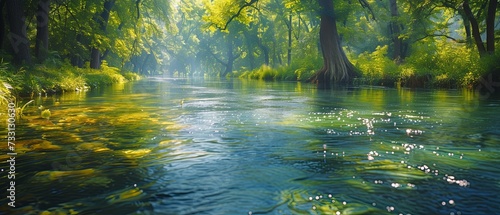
398,54
473,17
102,20
336,67
42,30
17,34
490,26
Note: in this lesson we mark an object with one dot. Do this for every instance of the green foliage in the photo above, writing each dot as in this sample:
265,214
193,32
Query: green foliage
104,76
431,64
20,109
300,70
56,77
220,11
376,68
130,76
185,38
5,93
447,64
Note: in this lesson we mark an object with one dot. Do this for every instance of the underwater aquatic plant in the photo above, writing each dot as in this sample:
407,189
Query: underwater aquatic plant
19,110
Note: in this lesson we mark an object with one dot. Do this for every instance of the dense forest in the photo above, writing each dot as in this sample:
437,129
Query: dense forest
49,46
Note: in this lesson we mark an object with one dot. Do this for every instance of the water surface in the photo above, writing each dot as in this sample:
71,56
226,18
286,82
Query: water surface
165,146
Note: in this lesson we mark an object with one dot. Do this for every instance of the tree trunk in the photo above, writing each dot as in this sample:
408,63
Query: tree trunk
336,67
76,58
144,63
265,50
465,20
95,54
42,30
289,56
249,39
17,34
490,26
395,32
230,59
475,28
2,24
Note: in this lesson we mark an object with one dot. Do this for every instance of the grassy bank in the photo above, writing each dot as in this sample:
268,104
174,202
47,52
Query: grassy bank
449,66
52,78
55,77
299,70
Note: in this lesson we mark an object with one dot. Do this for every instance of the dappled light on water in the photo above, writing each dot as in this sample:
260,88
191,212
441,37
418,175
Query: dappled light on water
241,147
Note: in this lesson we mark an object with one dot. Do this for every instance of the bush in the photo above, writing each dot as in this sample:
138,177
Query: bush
300,70
130,76
57,76
376,68
448,65
5,92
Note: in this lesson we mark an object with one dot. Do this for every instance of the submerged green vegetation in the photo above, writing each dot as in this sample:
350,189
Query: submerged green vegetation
347,151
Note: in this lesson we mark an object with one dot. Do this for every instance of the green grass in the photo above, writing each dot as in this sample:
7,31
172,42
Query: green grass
441,65
299,70
55,76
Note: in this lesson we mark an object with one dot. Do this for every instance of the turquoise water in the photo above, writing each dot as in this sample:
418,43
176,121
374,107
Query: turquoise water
166,146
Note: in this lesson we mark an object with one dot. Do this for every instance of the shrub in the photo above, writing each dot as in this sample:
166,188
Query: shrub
376,68
300,70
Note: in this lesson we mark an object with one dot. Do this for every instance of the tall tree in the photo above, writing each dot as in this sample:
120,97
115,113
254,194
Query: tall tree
2,23
395,29
102,20
42,30
490,26
475,25
336,67
17,34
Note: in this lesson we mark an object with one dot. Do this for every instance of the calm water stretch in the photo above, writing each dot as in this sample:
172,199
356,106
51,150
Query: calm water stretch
162,146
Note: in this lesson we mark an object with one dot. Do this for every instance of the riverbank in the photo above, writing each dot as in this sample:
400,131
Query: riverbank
447,68
55,77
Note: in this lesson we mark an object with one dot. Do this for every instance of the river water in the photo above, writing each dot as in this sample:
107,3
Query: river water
167,146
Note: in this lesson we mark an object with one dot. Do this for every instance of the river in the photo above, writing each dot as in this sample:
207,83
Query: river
177,146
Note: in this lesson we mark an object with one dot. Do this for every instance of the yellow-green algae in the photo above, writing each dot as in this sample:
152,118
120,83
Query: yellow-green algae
125,195
391,168
137,153
35,144
302,202
56,174
93,146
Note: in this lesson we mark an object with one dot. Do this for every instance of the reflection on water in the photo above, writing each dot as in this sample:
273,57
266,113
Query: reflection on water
246,147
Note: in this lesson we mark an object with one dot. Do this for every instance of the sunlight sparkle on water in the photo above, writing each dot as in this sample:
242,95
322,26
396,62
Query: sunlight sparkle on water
451,179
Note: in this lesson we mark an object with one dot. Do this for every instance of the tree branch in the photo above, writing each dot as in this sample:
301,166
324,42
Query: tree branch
248,4
215,56
137,2
365,4
440,35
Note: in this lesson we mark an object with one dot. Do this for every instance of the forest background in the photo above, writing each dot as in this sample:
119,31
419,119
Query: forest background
49,46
